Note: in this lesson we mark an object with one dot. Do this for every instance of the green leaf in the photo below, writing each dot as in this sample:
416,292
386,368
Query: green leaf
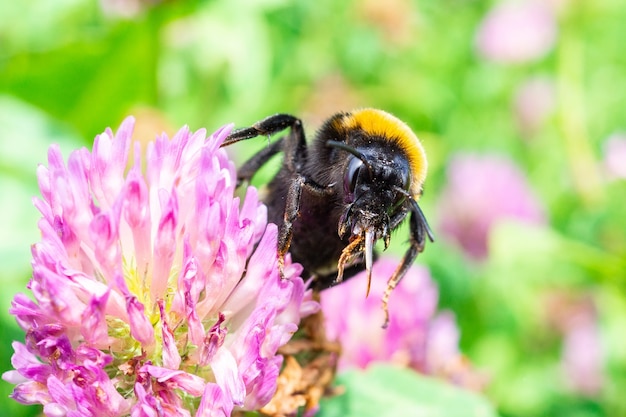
390,391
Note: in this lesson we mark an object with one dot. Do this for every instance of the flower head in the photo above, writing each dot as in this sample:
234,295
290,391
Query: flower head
126,8
614,154
583,358
156,293
535,102
517,31
574,315
481,190
416,336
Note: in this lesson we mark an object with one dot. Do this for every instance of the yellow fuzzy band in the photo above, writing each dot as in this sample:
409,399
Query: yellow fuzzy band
380,123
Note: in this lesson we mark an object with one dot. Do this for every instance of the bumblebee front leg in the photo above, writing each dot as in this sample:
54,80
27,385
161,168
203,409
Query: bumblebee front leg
292,209
268,126
294,148
415,247
419,231
293,145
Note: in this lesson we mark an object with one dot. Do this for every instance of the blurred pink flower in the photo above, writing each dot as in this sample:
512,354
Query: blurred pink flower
535,101
126,8
583,357
517,31
416,336
574,315
615,155
155,294
481,190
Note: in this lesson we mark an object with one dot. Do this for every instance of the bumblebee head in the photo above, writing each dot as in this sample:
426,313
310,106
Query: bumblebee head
376,182
382,180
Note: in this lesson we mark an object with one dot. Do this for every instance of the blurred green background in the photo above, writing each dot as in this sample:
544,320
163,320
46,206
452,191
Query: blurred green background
541,307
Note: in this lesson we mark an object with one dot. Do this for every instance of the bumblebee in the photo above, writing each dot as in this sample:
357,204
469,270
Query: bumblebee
334,198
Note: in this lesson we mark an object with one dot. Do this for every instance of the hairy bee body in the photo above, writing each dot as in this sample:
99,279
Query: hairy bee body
315,243
333,198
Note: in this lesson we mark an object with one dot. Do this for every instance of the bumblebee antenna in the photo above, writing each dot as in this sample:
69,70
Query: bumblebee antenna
418,211
353,151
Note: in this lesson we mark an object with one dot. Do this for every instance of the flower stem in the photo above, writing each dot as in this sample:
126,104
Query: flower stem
572,120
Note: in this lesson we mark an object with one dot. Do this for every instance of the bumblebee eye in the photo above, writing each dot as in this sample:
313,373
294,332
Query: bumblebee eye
352,175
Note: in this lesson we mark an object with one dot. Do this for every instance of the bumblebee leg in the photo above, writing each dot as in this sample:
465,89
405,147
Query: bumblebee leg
349,255
294,148
416,246
293,145
420,230
397,218
323,282
268,126
292,210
